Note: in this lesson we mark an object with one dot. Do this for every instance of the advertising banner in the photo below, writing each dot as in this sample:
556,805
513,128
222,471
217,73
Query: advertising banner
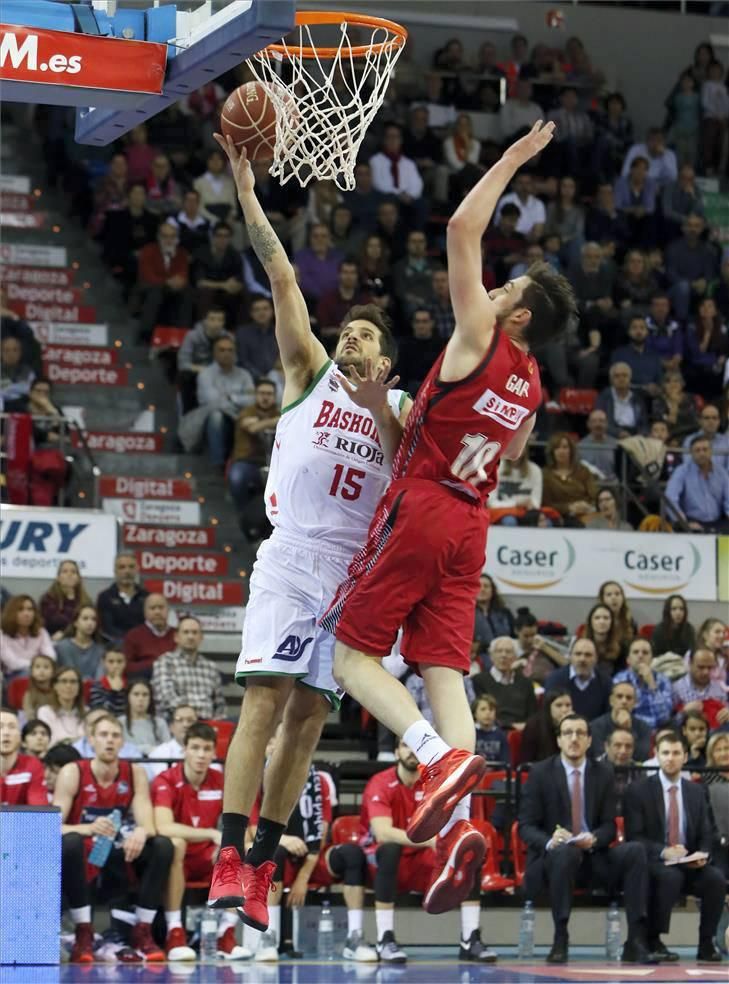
183,564
43,294
197,592
43,276
170,513
576,562
72,313
145,488
60,333
120,442
69,375
33,541
136,535
19,254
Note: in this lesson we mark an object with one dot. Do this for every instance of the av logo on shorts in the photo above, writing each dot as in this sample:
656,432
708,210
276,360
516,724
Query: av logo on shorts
507,414
292,648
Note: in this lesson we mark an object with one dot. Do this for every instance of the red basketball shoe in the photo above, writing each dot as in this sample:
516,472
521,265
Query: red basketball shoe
141,940
83,948
256,886
460,856
176,945
442,784
226,890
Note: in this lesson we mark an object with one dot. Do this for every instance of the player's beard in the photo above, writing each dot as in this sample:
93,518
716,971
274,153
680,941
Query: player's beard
349,360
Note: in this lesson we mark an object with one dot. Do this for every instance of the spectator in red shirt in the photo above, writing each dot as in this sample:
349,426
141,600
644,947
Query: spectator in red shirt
143,644
397,864
21,776
163,281
188,800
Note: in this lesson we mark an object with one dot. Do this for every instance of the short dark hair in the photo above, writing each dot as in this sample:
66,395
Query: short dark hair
41,380
672,737
223,338
265,381
61,755
201,730
215,309
222,226
511,209
524,618
188,617
574,716
699,439
370,312
32,725
551,299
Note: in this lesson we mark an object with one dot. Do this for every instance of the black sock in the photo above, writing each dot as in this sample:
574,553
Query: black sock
264,846
234,831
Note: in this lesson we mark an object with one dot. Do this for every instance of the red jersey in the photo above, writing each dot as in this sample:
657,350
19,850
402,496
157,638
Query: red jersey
386,796
194,807
92,800
457,431
24,784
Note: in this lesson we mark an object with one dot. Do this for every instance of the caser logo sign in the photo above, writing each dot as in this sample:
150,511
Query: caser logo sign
535,568
24,55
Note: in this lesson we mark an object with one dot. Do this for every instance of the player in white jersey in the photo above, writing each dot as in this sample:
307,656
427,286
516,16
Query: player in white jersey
329,468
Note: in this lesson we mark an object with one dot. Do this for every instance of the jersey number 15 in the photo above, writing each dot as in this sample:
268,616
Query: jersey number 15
347,482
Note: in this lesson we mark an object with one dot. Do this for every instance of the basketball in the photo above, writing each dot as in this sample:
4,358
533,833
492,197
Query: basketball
249,118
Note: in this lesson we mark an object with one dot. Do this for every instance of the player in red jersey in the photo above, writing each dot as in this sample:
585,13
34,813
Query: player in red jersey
188,801
426,545
22,781
399,865
87,793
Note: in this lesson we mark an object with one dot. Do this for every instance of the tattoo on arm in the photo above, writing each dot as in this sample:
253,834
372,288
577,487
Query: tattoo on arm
263,240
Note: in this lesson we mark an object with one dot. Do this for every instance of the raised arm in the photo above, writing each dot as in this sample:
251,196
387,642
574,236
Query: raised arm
474,310
302,355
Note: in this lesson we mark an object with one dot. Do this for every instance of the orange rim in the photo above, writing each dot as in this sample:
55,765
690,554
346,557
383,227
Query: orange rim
305,17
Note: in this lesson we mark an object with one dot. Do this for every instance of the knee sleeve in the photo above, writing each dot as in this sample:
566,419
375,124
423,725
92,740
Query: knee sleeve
348,861
388,859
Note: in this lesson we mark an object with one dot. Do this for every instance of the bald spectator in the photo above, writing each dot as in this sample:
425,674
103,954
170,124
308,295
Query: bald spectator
624,408
588,686
185,676
597,448
513,693
143,644
698,691
653,690
163,282
698,490
623,698
121,605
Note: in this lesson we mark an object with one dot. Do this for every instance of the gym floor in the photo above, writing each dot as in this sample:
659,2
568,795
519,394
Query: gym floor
427,965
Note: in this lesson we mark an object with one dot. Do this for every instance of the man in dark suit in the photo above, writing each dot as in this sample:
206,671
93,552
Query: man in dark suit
671,818
567,820
588,686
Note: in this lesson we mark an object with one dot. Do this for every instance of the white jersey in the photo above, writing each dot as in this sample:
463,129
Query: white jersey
328,470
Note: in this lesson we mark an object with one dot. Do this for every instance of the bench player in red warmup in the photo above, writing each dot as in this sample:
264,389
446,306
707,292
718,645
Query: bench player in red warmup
426,546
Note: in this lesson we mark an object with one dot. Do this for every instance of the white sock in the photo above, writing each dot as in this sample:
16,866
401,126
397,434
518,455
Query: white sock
227,919
145,915
425,742
461,812
81,915
274,921
173,919
251,937
470,919
355,919
385,921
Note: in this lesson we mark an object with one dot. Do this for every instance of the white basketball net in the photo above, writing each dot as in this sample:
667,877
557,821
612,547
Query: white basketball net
322,114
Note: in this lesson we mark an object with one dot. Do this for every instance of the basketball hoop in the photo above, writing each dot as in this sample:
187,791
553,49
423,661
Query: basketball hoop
326,95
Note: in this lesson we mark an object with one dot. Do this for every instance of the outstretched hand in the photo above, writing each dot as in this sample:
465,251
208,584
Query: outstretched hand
239,163
368,391
532,143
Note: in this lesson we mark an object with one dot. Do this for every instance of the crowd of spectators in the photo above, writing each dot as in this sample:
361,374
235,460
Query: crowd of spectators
623,214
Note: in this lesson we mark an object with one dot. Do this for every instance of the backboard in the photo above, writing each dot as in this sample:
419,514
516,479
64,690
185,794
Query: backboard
130,59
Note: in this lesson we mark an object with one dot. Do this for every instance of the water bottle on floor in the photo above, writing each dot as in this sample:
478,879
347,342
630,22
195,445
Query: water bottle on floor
325,947
209,935
526,932
612,933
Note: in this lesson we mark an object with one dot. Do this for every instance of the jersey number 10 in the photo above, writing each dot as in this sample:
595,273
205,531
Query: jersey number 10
347,482
476,454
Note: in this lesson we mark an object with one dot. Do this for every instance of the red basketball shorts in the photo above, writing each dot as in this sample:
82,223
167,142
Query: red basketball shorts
415,871
320,877
419,569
